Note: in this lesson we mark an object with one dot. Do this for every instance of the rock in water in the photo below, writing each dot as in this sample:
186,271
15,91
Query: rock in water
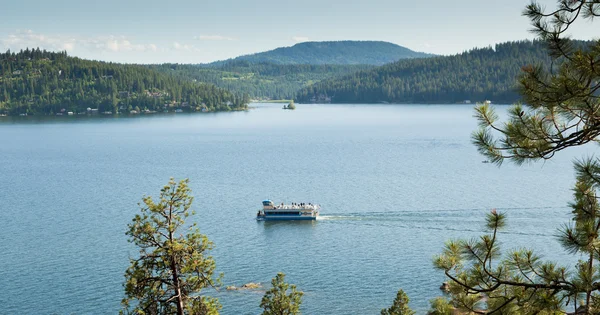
251,286
445,287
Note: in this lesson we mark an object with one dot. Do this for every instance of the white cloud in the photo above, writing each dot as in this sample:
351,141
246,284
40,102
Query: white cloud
213,37
113,47
119,44
178,46
185,47
300,39
68,46
29,39
25,39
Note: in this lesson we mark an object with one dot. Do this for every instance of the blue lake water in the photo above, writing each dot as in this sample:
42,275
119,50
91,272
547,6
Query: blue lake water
394,182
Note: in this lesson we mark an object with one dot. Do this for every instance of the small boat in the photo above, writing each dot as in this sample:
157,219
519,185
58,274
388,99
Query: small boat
293,211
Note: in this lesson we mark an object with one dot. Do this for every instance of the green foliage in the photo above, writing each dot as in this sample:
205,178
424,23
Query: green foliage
333,53
400,305
263,81
479,74
562,111
277,301
173,265
39,82
440,306
518,283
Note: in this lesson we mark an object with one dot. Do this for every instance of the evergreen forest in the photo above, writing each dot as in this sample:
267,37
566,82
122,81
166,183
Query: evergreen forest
35,81
476,75
261,81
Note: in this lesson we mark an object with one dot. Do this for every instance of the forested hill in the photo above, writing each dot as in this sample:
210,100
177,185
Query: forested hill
260,80
41,82
333,53
477,75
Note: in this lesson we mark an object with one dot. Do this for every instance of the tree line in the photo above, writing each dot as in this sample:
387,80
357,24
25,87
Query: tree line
261,81
34,81
476,75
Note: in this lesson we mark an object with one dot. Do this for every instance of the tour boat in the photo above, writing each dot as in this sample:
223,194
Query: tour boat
293,211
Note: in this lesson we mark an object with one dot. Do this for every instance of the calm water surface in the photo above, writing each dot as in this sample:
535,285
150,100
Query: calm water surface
394,182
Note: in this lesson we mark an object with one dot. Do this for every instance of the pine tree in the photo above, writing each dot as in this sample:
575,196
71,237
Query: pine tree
400,305
562,111
277,301
173,265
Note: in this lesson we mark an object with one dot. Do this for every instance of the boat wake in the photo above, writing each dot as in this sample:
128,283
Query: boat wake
428,212
466,220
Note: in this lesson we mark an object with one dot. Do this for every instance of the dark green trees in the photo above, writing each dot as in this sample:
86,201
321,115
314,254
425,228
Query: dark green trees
41,82
400,305
174,262
261,81
277,301
476,75
562,111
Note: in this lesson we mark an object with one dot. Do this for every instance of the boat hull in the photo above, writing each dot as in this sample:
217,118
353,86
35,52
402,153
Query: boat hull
285,218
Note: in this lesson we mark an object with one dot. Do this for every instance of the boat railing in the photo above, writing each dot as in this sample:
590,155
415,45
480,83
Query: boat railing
294,207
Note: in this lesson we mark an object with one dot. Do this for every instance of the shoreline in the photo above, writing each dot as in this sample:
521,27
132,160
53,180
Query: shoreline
136,114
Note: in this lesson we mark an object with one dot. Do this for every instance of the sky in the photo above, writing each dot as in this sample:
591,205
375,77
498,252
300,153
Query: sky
200,31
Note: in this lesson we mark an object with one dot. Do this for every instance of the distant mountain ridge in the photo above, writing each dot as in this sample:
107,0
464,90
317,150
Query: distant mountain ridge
332,53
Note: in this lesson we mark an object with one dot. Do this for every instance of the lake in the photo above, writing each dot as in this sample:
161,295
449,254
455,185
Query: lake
394,182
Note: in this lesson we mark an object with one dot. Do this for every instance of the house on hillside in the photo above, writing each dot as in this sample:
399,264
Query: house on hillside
321,98
154,94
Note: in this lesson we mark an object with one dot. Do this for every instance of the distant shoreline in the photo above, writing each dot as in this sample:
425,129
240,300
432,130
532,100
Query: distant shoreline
118,115
271,101
249,107
407,103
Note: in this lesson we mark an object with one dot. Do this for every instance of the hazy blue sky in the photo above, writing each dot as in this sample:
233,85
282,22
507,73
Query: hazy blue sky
194,31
